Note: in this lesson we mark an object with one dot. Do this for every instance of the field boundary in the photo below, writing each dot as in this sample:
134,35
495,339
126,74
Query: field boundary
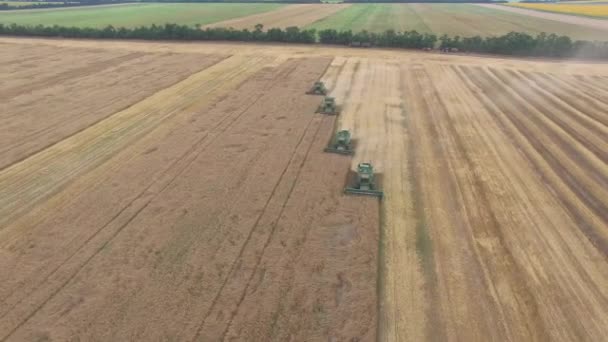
513,43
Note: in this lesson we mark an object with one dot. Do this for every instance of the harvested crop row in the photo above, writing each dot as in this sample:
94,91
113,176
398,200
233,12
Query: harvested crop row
463,176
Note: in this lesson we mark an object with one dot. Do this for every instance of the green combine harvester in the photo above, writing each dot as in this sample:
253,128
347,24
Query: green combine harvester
341,143
328,106
318,89
365,183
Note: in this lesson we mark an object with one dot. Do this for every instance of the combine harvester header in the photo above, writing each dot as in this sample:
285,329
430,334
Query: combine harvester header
365,182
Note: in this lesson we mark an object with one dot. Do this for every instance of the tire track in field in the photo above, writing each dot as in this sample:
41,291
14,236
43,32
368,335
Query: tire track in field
250,248
275,222
273,85
262,214
558,175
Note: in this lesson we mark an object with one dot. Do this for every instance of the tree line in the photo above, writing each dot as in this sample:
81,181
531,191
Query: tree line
54,4
514,43
425,1
6,7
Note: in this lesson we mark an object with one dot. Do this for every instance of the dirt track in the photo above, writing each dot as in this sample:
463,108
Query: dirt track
197,214
564,18
292,15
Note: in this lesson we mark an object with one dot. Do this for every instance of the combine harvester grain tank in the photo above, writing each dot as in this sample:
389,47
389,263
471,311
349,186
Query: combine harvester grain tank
365,182
318,89
328,106
341,143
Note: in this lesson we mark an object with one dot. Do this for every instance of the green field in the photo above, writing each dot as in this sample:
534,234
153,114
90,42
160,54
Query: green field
451,19
374,18
26,3
135,14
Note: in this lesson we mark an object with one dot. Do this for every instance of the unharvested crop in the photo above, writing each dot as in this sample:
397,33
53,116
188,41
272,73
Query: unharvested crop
133,15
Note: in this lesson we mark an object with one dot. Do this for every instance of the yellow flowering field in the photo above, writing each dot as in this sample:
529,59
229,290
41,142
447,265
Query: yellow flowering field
593,10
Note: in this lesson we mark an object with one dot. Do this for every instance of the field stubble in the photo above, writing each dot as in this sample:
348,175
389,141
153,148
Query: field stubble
494,221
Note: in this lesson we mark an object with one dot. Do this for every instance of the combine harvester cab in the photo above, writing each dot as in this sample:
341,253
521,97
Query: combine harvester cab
318,89
365,182
328,106
341,144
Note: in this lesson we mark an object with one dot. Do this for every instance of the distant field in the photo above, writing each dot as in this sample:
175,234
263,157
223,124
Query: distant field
587,9
136,14
451,19
24,3
293,15
375,18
